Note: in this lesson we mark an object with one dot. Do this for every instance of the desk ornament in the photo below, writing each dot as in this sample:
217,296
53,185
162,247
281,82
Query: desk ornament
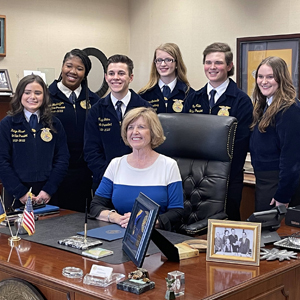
102,276
79,241
72,272
272,254
291,242
138,282
178,285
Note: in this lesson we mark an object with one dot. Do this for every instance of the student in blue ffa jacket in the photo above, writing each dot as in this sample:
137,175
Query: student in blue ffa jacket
71,101
143,170
221,96
34,152
168,86
275,138
102,140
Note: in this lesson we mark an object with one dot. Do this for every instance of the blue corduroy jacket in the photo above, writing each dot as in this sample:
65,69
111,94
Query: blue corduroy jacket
72,119
176,100
278,149
102,138
25,157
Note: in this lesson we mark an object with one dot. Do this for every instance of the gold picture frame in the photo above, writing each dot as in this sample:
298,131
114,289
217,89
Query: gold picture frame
243,247
2,35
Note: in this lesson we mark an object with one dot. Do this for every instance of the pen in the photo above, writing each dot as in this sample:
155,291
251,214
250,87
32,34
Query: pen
85,221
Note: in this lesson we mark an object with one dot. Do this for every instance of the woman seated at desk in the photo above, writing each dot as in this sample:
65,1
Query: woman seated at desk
144,170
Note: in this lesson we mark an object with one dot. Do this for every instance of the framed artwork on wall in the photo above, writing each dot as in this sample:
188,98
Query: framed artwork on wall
252,50
2,35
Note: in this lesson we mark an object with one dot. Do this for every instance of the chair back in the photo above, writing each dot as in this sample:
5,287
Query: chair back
202,145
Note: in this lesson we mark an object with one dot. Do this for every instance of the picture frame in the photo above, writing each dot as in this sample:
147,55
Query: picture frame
139,229
252,50
2,35
233,242
5,84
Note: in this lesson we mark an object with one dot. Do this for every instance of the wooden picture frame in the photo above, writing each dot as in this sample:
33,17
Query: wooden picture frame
2,35
5,84
139,229
252,50
243,247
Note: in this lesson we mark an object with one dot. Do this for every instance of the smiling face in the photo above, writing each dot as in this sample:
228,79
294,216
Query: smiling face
166,71
215,68
72,72
118,79
266,81
138,134
33,96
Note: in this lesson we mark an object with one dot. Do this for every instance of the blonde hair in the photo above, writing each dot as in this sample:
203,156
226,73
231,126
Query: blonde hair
181,70
283,97
150,116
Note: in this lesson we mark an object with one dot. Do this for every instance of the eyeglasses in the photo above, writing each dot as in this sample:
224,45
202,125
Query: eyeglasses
159,61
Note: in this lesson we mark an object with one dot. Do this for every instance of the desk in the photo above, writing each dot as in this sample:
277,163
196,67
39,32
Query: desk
42,266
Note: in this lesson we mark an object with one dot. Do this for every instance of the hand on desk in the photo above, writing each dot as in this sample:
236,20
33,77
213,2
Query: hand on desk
124,220
42,197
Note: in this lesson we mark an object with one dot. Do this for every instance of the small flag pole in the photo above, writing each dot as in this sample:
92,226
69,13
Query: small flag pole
85,221
6,217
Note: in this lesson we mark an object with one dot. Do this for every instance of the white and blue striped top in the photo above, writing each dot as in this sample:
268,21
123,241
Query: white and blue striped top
161,182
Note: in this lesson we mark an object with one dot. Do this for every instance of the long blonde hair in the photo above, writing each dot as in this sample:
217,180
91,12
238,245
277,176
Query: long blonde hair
283,98
181,70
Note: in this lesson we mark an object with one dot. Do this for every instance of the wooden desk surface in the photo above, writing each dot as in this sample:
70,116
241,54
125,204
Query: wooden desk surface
42,266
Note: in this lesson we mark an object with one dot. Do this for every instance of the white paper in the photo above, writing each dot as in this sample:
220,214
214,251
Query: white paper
101,271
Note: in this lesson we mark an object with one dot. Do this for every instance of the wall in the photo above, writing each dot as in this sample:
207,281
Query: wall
40,32
194,24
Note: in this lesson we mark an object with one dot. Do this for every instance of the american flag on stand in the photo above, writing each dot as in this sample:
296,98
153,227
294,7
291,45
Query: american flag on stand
28,216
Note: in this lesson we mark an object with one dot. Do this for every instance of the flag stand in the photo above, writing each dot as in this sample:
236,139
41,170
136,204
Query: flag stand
14,241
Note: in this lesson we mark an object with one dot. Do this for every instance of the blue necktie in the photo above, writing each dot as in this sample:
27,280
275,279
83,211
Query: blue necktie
212,98
266,107
72,98
33,121
166,93
119,110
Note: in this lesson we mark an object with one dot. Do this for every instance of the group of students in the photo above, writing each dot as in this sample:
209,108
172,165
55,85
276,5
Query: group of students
60,141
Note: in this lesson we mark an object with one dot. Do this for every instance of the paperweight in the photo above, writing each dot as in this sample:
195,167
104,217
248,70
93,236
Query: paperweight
135,286
72,272
179,282
79,242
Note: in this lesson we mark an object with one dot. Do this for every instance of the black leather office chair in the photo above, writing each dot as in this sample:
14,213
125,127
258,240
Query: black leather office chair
202,146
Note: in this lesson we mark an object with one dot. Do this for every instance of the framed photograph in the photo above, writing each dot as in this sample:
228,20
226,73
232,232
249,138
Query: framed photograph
2,35
233,242
138,232
252,50
5,84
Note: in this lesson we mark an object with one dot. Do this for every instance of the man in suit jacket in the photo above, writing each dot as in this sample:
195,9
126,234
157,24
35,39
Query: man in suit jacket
102,136
244,244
